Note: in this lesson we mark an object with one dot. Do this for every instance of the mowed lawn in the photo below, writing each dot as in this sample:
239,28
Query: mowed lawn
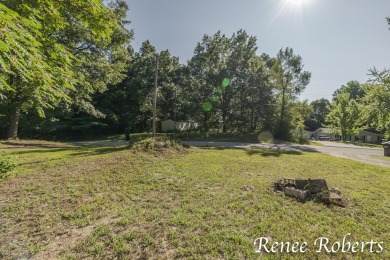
72,203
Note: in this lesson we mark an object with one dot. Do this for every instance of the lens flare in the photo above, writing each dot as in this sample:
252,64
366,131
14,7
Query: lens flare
298,2
207,106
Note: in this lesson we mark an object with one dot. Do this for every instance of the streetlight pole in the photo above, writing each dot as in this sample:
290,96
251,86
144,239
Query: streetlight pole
174,117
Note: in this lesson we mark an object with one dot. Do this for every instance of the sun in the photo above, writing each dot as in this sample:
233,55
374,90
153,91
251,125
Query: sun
298,2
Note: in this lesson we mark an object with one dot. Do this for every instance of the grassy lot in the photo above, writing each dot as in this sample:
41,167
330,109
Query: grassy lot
381,157
104,202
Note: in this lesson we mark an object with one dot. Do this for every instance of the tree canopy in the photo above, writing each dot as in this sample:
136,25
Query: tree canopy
58,51
68,67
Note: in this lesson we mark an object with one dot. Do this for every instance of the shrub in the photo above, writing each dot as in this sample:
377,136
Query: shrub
298,135
7,164
157,143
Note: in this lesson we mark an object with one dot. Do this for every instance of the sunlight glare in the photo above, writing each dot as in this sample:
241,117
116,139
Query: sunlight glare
298,2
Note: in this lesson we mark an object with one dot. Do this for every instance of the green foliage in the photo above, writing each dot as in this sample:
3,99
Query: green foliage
59,51
290,80
316,119
377,101
300,111
7,164
128,104
157,143
345,116
353,88
227,73
299,135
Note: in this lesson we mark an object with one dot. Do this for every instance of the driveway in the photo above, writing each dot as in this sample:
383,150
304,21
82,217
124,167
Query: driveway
362,154
101,143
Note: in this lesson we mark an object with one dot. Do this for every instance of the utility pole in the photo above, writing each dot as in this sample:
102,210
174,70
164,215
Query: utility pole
174,118
155,97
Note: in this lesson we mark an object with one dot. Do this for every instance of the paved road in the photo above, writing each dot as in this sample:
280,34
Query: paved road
101,143
348,151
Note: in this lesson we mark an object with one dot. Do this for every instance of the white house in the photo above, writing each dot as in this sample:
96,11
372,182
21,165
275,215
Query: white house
365,136
169,125
324,132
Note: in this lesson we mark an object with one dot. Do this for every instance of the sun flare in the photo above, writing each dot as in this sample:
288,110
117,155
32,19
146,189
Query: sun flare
298,2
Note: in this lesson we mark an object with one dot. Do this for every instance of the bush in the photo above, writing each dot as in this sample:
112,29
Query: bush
157,143
298,135
7,164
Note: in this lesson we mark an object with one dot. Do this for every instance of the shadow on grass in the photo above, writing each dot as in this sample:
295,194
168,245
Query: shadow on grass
271,153
75,151
257,151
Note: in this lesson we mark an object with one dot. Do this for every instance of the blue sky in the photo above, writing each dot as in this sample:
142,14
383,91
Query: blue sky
338,40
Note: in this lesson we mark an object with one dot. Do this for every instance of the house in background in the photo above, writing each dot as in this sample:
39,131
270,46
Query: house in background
169,126
325,134
367,136
364,136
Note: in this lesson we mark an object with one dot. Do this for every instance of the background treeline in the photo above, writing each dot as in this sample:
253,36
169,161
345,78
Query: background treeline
68,70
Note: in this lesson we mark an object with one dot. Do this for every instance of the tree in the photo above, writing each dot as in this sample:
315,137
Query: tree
300,111
246,108
128,104
290,80
227,75
32,70
377,100
75,45
316,119
206,71
353,88
345,116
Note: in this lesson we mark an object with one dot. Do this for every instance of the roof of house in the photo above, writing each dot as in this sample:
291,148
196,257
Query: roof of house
324,129
372,131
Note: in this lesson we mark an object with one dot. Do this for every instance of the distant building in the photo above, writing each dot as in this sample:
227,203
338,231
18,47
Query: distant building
324,133
367,136
169,125
364,136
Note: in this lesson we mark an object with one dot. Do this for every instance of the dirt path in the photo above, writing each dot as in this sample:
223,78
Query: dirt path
70,239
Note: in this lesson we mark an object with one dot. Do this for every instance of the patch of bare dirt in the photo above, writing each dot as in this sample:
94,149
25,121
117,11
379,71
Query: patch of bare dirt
70,239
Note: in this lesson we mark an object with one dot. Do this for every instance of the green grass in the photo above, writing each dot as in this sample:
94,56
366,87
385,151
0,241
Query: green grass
381,157
207,203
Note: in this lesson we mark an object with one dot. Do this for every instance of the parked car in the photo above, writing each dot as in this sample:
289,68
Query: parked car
324,138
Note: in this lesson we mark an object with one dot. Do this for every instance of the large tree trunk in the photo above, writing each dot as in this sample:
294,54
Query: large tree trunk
14,123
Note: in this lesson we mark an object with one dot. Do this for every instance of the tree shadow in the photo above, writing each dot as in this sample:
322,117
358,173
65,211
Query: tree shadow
304,149
258,151
75,151
271,153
